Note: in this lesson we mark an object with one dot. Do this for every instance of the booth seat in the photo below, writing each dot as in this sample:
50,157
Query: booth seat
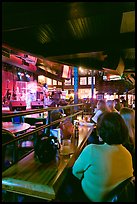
124,192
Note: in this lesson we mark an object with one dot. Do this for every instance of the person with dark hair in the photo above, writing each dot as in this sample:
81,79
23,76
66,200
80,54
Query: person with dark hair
100,168
124,103
128,114
117,104
55,115
101,107
110,105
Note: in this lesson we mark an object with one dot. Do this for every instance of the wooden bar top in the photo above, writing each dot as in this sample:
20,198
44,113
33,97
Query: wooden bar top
32,178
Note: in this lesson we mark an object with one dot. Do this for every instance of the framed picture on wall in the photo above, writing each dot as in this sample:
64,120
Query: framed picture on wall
68,82
54,82
90,82
59,83
72,80
83,80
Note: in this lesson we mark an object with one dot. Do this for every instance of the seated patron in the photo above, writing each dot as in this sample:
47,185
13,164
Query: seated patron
101,107
110,106
108,164
128,114
117,104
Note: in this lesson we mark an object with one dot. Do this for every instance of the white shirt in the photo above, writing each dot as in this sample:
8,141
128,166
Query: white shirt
95,117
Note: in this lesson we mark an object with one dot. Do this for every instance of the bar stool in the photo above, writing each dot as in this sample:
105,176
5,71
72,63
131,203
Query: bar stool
38,124
9,152
38,134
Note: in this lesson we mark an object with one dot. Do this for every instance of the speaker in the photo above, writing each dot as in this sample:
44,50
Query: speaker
17,105
37,104
114,62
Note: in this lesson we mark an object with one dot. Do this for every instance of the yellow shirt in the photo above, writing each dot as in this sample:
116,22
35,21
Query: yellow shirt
102,168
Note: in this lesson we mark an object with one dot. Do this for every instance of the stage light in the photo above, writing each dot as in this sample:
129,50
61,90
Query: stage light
27,75
19,73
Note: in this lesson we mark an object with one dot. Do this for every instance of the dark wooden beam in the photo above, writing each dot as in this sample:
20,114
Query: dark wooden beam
48,74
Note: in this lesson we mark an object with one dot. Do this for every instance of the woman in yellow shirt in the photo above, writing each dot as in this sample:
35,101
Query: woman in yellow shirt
102,167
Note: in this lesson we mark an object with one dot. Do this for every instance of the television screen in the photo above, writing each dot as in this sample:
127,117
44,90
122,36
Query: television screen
56,133
111,77
66,72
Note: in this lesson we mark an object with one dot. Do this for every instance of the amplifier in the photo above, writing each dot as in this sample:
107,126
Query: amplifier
17,105
37,104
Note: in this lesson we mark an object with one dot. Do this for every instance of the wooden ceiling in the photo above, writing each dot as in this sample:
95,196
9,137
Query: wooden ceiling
88,34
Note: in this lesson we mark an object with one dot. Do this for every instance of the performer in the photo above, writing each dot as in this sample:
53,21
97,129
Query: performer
8,94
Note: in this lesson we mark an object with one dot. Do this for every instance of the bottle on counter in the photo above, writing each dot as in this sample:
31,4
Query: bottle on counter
76,133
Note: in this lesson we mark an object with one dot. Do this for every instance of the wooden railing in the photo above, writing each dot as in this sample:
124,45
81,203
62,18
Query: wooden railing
6,114
49,110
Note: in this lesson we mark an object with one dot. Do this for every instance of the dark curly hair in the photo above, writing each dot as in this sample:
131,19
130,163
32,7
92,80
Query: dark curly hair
112,128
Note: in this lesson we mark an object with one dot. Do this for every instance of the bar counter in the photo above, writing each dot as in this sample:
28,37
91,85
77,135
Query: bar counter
32,178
